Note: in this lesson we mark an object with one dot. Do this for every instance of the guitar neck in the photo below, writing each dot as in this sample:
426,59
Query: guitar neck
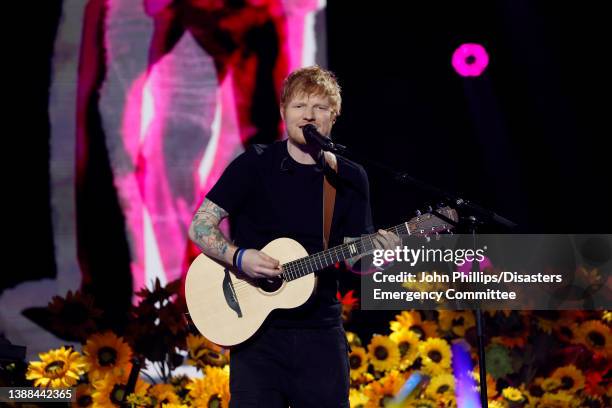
321,260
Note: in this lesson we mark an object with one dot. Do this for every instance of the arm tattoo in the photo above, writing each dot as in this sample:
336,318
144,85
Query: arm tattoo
210,208
204,230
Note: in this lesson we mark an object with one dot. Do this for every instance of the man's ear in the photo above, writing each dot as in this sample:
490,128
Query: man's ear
282,113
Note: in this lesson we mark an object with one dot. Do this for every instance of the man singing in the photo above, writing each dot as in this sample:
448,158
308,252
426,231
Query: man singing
299,357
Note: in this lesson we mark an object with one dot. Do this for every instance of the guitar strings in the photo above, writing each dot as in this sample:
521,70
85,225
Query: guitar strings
293,269
300,267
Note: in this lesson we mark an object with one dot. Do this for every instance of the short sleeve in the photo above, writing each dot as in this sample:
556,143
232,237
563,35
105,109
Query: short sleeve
236,184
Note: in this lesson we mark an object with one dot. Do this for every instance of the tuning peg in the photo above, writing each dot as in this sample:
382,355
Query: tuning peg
418,213
427,238
429,208
437,236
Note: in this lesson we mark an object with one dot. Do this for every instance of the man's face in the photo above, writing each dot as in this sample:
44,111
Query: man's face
303,109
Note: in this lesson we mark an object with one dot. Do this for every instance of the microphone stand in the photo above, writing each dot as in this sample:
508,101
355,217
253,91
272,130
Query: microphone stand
477,216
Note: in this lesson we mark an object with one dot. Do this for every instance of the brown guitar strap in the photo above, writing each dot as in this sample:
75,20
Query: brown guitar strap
329,198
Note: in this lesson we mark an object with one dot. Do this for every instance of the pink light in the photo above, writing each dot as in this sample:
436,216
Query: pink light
467,267
470,60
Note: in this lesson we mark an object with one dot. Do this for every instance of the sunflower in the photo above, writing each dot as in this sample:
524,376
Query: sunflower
570,377
408,344
516,329
363,379
110,390
440,385
596,336
138,400
358,361
384,353
557,400
497,404
107,353
532,393
411,320
456,322
435,356
404,320
546,319
58,368
380,392
550,384
175,406
425,329
419,286
606,316
179,382
73,317
212,390
566,330
163,394
203,352
447,401
513,394
83,395
353,339
357,398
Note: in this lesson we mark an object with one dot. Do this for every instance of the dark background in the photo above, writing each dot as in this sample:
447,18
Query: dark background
527,139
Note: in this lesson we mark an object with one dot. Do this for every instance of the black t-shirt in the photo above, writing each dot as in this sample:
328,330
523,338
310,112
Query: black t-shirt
269,195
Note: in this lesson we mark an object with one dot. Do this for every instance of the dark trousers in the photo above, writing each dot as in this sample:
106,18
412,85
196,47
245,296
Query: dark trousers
282,367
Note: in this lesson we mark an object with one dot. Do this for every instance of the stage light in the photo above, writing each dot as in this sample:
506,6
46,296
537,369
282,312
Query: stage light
465,384
470,60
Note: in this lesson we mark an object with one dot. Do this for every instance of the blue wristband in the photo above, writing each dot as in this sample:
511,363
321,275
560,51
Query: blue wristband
239,262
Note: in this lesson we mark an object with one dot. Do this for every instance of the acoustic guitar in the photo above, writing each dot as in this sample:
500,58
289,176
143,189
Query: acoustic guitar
228,307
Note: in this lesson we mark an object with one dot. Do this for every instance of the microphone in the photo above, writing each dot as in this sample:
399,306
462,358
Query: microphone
313,137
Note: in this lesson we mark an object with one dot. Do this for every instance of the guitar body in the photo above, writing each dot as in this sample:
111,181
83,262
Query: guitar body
228,309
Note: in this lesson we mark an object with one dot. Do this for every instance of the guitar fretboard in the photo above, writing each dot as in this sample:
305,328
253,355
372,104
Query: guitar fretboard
321,260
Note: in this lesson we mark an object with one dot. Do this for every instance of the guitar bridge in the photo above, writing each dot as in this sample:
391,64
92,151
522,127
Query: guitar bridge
230,294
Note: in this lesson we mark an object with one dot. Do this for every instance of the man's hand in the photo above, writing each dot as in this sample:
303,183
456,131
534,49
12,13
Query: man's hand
256,264
386,240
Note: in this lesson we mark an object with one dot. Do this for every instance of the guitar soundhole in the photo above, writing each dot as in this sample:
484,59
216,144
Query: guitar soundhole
270,285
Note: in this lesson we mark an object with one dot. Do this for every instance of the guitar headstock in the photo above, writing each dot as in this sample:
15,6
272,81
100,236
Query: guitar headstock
428,223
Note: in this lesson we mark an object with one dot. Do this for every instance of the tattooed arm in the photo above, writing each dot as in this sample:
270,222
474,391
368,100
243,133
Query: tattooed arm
205,232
